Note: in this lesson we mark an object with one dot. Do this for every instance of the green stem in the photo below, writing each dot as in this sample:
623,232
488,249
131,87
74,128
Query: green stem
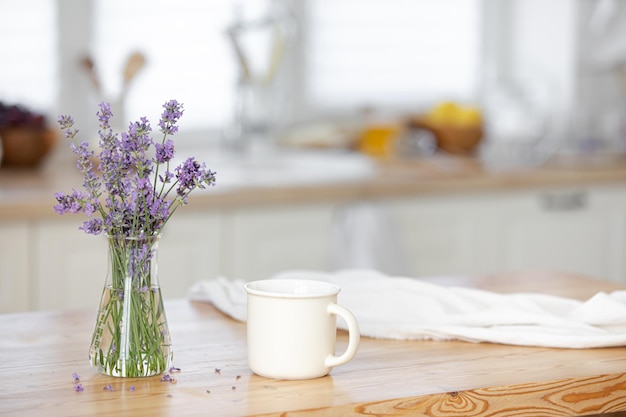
131,337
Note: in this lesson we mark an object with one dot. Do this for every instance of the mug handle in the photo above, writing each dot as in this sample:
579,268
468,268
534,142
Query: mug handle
354,336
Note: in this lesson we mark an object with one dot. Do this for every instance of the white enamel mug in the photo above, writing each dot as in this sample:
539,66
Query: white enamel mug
292,328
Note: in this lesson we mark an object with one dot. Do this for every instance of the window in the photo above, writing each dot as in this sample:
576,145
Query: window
28,49
345,54
187,56
392,53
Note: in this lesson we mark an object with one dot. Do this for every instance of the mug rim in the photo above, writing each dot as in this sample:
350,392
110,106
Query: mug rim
323,288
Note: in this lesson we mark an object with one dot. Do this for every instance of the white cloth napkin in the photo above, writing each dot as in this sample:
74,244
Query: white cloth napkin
406,308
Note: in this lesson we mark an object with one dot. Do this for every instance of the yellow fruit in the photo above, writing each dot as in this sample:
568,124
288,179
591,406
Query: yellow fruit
448,113
444,113
469,116
378,140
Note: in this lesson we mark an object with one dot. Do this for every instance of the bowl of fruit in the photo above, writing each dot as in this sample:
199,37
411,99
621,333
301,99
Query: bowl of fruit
457,129
25,137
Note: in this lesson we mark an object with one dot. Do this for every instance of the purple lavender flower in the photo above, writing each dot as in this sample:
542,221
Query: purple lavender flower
83,152
108,387
164,152
72,203
192,174
143,187
132,388
76,377
92,226
167,177
159,210
66,123
166,378
104,116
130,195
91,182
173,111
139,258
137,140
78,388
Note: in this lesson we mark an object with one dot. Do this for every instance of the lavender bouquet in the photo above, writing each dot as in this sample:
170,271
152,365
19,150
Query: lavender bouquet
130,201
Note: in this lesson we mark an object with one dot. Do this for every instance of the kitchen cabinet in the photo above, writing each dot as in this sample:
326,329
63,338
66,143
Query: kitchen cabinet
443,235
49,264
14,267
259,242
70,266
579,230
190,250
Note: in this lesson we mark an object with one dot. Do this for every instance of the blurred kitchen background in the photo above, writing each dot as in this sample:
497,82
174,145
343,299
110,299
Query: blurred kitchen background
286,94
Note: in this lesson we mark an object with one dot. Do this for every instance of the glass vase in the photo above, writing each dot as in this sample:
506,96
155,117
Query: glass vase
131,337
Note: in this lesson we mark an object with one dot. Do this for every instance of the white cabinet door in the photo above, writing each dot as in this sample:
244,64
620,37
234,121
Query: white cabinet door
69,266
576,230
443,235
14,267
580,230
263,241
189,251
54,265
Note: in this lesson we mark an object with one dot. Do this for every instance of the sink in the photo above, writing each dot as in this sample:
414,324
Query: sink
287,168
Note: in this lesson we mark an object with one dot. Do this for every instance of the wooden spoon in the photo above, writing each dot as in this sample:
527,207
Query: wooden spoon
135,62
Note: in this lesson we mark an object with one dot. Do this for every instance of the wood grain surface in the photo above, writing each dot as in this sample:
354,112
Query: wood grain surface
41,350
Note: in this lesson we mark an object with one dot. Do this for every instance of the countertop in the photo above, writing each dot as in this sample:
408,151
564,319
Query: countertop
306,178
41,350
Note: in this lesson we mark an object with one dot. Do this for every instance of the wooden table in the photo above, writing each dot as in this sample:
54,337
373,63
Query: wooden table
39,351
